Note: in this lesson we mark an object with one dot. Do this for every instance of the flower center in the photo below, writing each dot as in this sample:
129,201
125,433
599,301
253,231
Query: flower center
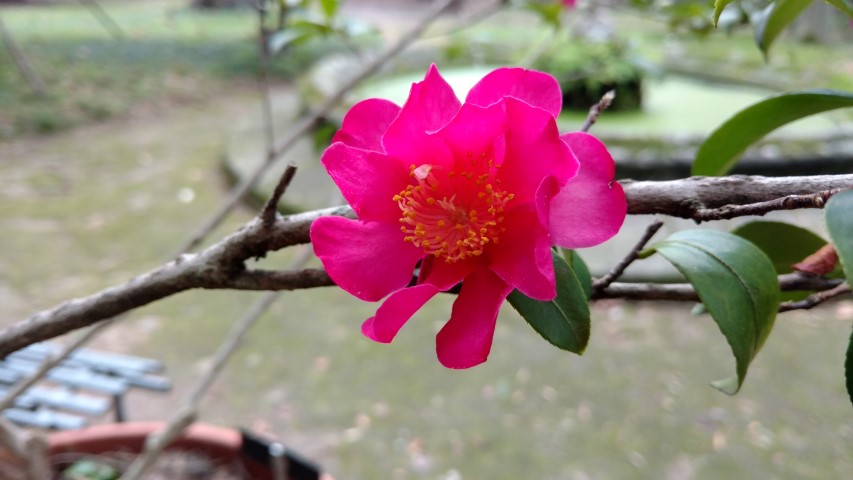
452,215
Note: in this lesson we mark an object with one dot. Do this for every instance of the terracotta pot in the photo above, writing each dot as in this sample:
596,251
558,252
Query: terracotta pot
220,444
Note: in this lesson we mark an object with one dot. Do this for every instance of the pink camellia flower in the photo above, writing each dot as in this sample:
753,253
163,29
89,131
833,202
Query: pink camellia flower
569,3
476,192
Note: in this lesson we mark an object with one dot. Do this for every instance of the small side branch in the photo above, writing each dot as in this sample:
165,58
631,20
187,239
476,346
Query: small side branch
617,271
790,202
268,214
815,299
684,292
595,110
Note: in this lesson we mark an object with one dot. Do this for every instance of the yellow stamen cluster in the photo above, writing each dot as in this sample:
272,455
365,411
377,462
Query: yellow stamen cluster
452,216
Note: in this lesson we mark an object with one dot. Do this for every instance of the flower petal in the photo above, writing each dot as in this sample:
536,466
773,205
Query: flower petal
466,339
534,150
473,131
523,256
591,207
367,180
535,88
396,311
366,122
446,275
368,260
430,106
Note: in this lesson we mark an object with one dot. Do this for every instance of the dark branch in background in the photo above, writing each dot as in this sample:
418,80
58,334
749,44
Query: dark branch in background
684,291
600,284
304,126
222,265
815,299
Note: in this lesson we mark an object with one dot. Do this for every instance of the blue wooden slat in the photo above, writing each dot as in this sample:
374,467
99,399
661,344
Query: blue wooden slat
65,399
116,360
9,376
45,418
80,378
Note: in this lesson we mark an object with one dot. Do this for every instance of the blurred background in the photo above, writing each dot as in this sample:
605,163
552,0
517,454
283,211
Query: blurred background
124,123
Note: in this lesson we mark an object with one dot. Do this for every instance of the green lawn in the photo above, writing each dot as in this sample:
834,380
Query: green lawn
168,54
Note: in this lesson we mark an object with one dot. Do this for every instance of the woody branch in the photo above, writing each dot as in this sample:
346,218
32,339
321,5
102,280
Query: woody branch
223,265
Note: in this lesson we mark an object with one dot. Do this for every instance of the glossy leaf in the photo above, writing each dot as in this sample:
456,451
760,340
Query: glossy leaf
774,19
578,266
564,321
845,6
736,282
719,6
783,243
848,368
721,151
839,222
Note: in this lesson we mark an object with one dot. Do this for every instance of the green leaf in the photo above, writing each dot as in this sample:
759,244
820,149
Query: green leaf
736,282
783,243
578,266
330,7
564,321
848,368
550,13
281,39
845,6
90,470
839,222
721,151
774,19
719,6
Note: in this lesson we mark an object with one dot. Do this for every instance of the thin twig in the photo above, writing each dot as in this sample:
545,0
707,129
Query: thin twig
815,299
188,411
595,110
790,202
266,94
271,208
540,48
619,269
301,128
33,79
465,23
104,18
